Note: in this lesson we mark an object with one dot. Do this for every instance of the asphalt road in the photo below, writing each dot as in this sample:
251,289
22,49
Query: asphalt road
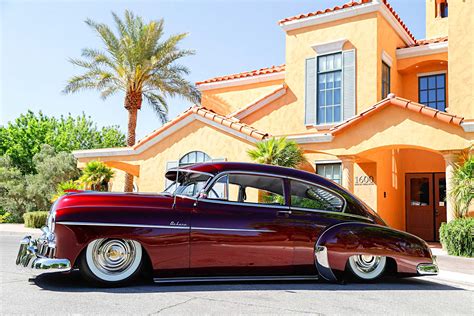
53,294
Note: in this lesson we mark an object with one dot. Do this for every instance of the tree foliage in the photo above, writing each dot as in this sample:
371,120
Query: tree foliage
21,193
22,139
96,175
462,192
279,152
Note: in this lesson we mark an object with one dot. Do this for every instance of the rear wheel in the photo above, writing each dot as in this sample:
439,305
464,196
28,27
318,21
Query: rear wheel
367,267
111,262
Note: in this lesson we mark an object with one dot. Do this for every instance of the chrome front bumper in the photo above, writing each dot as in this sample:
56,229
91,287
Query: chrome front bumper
428,268
38,255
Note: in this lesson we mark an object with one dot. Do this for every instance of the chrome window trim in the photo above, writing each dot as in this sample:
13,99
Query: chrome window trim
189,171
218,175
253,173
217,201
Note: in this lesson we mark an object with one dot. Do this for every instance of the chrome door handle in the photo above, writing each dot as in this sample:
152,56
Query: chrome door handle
286,212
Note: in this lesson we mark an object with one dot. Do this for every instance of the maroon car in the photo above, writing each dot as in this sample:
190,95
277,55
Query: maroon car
224,221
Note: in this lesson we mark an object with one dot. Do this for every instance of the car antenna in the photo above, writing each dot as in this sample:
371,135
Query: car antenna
175,187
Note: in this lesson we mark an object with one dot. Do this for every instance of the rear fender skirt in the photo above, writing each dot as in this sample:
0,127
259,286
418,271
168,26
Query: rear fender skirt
339,242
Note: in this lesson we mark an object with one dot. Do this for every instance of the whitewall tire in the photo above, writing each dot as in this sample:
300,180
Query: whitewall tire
367,267
112,262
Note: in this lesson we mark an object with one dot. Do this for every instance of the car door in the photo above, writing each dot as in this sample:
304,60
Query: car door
241,227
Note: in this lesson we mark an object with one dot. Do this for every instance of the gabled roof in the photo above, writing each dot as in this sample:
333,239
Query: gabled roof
403,103
261,102
202,112
347,6
245,74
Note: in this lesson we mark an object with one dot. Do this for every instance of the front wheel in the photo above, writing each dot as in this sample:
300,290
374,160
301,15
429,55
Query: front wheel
367,267
111,262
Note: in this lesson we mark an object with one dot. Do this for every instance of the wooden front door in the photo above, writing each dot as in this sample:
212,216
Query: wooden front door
425,204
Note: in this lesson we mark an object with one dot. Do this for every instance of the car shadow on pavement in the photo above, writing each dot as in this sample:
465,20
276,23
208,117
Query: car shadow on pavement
73,282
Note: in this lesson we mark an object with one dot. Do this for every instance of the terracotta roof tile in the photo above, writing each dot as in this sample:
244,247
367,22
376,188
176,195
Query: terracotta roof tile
403,103
208,114
428,41
349,5
246,74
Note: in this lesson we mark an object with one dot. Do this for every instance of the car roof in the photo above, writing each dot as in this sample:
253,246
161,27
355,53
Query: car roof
218,167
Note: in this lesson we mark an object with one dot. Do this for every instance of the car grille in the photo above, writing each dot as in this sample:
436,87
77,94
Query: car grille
44,250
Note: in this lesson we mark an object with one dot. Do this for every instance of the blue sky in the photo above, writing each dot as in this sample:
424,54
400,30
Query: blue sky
37,37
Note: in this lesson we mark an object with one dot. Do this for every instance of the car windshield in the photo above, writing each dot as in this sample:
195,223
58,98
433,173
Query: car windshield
189,184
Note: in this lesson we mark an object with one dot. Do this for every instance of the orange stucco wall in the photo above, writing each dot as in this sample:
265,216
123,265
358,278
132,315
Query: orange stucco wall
436,26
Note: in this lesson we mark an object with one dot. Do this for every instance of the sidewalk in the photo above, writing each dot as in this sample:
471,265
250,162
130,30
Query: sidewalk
18,229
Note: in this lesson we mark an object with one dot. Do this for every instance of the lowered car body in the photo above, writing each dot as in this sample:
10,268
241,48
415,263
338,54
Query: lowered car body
224,221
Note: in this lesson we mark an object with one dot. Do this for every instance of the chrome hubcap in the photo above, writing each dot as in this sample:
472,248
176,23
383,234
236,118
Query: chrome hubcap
366,263
113,255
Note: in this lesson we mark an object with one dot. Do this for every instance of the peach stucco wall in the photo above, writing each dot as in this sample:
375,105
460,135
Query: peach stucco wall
227,100
437,26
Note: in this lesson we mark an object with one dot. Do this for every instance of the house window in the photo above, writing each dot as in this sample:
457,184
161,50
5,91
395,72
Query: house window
443,9
385,80
329,88
194,157
331,171
432,91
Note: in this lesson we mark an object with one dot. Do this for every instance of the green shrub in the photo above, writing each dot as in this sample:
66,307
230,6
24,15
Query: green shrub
35,219
457,237
6,217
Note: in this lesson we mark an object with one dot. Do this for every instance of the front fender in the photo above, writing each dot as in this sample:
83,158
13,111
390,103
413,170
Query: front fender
336,244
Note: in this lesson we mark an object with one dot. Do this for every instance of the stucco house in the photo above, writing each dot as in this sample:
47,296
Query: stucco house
383,113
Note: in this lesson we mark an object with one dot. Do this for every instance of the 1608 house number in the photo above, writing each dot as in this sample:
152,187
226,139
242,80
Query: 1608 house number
364,180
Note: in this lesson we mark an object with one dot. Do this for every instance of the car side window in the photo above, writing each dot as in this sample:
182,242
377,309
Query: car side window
309,196
246,188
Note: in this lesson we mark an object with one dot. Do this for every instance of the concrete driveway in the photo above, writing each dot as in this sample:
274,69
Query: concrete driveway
55,294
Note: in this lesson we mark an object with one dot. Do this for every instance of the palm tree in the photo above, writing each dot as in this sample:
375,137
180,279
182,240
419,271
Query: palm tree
96,176
279,152
137,62
462,192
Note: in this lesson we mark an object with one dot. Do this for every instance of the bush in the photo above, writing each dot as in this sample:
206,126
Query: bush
6,217
457,237
35,219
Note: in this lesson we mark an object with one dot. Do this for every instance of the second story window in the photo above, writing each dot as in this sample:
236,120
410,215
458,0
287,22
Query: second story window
443,9
432,91
329,88
385,80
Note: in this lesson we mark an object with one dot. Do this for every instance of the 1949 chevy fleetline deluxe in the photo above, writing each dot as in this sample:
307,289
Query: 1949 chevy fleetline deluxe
224,221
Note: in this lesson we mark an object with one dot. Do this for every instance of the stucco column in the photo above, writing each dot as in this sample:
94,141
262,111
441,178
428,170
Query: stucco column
450,158
347,176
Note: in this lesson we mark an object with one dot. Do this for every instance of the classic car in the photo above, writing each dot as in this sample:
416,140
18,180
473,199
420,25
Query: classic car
224,221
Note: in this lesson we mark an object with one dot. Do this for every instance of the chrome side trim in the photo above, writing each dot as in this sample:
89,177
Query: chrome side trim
234,229
329,212
164,227
237,279
122,225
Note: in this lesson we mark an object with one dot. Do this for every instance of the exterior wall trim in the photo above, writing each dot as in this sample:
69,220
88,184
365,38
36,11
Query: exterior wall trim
468,127
386,58
311,138
422,50
329,47
325,162
241,81
255,106
423,74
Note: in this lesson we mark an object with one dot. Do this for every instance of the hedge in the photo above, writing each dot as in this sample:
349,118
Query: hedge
35,219
457,237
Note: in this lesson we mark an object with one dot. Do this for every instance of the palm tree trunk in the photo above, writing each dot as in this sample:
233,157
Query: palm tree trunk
133,102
